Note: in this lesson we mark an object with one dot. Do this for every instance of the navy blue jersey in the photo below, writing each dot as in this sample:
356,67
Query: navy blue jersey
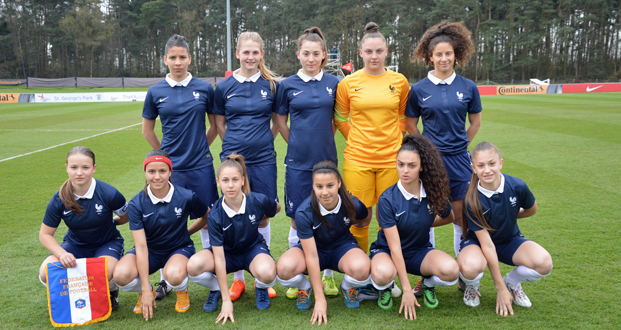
501,209
165,224
182,113
240,232
327,237
96,225
311,109
248,109
443,109
412,217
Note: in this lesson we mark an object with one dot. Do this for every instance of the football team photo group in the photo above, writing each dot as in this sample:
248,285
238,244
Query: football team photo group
407,168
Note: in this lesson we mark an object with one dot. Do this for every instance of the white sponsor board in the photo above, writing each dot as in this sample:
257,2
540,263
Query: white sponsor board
91,97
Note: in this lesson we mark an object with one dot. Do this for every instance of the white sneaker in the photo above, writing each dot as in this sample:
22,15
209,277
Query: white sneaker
519,297
395,292
471,295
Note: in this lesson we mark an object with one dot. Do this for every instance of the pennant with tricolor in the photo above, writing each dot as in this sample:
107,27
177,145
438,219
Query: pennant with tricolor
78,295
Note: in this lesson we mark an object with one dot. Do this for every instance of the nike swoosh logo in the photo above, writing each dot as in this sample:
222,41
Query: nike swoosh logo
162,100
147,215
357,89
66,212
227,227
426,98
315,227
486,211
228,97
296,94
398,214
589,89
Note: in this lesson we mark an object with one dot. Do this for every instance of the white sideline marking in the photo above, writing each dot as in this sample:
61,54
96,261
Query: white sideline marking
62,144
54,130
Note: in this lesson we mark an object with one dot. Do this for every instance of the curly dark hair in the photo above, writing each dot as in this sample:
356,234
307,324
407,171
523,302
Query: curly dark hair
456,34
433,175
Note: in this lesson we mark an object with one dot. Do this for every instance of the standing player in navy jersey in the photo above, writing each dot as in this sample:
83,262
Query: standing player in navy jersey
308,97
406,212
181,101
235,240
86,205
244,106
444,100
323,221
493,203
158,219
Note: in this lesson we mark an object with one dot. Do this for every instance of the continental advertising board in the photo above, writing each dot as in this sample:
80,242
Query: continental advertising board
9,98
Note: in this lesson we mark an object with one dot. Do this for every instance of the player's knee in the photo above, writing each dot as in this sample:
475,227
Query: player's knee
544,264
360,270
383,274
266,274
121,276
448,271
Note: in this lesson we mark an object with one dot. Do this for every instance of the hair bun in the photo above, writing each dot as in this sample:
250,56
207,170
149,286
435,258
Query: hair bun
371,27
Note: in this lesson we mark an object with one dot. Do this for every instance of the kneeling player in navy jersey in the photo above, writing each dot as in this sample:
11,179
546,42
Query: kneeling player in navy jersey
86,205
323,222
158,219
493,203
407,211
236,243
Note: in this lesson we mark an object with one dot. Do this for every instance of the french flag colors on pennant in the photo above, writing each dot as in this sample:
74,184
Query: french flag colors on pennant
79,295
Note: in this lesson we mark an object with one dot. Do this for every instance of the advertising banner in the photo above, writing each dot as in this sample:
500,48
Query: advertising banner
9,98
91,97
488,90
592,88
522,89
12,82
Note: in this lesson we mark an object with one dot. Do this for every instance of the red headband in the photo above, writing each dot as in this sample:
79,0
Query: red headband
157,159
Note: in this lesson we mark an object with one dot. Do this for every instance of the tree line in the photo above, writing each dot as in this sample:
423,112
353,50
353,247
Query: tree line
565,40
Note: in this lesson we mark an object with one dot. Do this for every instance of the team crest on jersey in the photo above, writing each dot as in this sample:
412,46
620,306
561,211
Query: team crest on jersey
513,200
253,218
264,94
460,96
98,209
346,221
290,205
80,303
329,91
178,212
429,209
196,95
392,89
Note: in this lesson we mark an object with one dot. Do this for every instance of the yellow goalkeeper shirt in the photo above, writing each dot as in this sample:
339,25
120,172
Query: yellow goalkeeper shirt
370,113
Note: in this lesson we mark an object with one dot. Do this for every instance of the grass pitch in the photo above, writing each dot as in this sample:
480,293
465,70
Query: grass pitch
566,147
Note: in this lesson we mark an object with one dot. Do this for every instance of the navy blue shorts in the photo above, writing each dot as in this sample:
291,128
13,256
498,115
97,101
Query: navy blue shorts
239,261
112,248
158,261
329,259
263,179
298,186
459,173
505,251
412,261
201,181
